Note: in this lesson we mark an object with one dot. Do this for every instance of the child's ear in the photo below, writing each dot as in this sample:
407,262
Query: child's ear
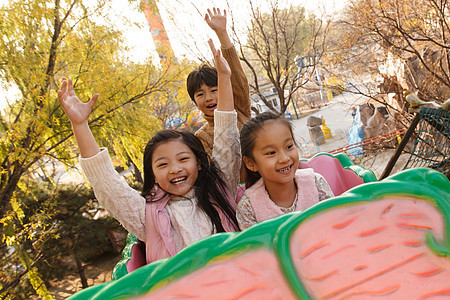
250,164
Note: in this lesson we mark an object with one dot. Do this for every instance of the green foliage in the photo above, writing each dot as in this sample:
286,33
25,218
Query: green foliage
42,41
38,284
54,223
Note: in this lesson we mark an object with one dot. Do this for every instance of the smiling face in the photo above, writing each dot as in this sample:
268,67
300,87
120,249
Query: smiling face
275,155
175,167
206,99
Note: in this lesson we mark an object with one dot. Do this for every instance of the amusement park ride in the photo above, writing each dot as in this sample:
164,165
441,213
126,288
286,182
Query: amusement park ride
386,239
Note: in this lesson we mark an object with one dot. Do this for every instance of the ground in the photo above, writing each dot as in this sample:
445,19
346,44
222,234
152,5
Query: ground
338,118
97,272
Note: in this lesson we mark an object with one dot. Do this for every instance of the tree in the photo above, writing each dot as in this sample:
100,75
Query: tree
407,40
42,41
269,35
145,117
175,102
56,223
275,39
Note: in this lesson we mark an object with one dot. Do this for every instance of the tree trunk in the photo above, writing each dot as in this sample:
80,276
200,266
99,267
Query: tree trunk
136,173
80,269
6,194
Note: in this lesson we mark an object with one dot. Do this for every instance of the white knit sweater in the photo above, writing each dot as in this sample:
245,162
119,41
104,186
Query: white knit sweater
128,206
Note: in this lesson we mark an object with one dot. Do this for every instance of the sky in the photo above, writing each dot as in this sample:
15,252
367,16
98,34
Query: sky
186,29
189,18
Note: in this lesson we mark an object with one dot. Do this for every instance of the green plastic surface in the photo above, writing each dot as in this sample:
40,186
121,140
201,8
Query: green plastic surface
275,234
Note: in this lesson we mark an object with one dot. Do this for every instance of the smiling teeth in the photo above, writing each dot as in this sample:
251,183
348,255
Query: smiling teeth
285,170
178,180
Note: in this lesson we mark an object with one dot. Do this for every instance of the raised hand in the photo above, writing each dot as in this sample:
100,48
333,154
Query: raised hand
221,64
216,20
77,111
225,99
78,114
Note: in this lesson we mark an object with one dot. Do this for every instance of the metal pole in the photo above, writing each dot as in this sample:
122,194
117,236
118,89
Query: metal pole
405,140
295,109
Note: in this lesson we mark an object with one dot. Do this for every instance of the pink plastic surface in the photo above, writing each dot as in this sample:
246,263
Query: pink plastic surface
374,249
137,259
339,179
241,277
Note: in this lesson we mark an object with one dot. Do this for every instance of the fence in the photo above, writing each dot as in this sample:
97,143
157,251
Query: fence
310,148
430,129
366,142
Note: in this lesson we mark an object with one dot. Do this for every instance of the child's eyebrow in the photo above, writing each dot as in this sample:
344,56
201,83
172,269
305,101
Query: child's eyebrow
182,152
267,146
272,145
209,87
165,157
159,158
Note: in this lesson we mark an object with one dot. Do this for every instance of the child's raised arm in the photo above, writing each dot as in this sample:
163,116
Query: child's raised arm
225,100
227,150
78,114
112,192
218,22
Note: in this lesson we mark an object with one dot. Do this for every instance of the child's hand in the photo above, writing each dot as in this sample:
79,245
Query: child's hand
216,20
221,64
77,111
225,100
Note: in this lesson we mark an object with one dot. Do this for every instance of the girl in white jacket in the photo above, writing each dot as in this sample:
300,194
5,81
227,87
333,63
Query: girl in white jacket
185,196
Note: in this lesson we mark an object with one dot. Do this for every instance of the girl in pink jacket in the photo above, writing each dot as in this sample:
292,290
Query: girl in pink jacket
274,184
186,196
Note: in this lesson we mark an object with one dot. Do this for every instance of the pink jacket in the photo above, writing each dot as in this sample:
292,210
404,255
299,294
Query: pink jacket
265,208
150,222
160,242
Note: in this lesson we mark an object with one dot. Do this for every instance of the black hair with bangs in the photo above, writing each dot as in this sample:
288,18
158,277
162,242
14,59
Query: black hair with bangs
203,74
210,189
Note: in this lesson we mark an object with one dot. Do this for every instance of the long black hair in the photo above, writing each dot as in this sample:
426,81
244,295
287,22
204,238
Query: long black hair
209,184
248,136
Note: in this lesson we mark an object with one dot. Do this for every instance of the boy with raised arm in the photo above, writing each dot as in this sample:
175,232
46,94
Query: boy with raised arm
202,82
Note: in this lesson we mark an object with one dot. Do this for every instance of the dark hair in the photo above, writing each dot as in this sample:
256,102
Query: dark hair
203,74
248,136
209,184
